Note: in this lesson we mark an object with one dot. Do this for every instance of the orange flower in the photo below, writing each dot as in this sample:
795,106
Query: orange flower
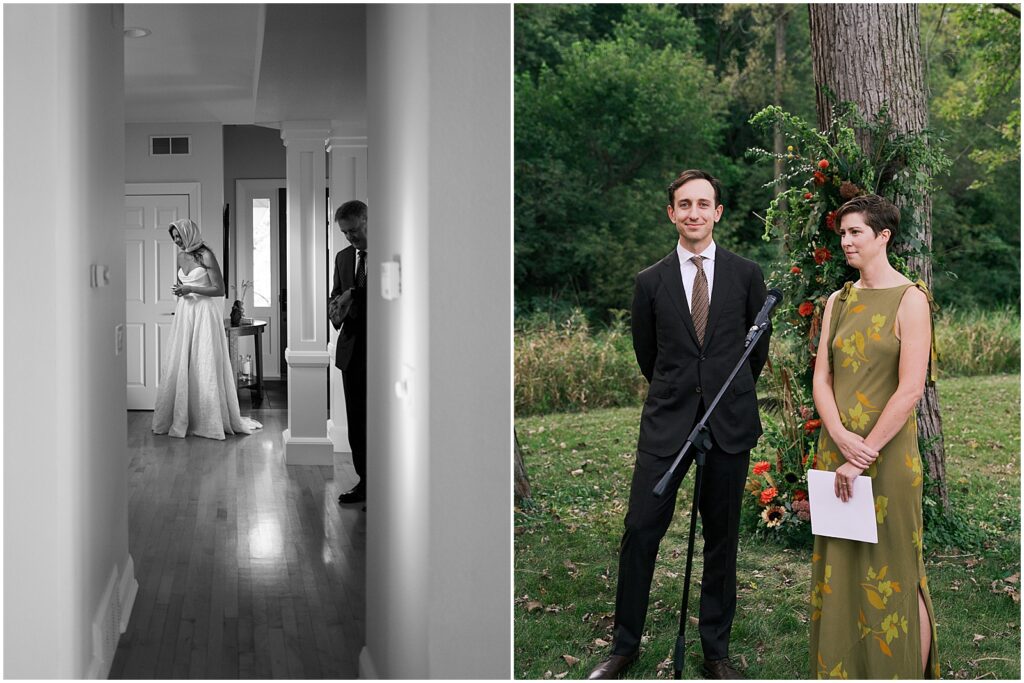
767,495
830,221
799,494
761,467
819,178
811,425
823,164
821,254
795,270
808,195
805,309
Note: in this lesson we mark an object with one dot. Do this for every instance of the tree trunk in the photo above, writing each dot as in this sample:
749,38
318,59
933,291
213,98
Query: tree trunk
871,54
781,14
521,485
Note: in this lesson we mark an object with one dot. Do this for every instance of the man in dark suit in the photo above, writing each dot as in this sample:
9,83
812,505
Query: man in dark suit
691,313
348,312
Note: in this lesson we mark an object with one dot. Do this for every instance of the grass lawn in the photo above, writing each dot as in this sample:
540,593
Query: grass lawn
566,552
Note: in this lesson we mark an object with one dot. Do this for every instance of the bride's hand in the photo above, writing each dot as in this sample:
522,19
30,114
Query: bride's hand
854,450
180,289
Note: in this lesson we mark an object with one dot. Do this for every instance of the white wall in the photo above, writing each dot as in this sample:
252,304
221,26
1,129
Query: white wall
65,463
205,166
438,535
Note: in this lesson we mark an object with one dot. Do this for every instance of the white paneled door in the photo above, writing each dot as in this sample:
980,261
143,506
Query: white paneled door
150,269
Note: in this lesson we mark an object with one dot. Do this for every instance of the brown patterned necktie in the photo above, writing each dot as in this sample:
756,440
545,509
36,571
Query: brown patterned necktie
699,299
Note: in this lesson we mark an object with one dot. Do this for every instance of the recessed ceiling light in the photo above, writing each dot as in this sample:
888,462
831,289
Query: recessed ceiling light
136,32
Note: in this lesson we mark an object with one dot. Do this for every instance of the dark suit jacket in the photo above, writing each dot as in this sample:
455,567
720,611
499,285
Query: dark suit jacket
352,339
681,372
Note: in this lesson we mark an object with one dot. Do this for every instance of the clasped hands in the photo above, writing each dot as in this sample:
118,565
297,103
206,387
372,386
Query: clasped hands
859,456
180,289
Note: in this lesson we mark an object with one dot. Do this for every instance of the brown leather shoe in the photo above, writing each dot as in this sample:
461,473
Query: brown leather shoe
613,667
720,669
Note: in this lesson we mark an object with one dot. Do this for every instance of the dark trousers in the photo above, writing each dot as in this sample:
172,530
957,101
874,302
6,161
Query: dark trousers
354,380
648,519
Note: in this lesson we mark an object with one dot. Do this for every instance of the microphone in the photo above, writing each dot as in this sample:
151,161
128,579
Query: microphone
770,302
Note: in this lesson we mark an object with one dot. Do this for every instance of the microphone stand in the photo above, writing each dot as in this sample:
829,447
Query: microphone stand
700,439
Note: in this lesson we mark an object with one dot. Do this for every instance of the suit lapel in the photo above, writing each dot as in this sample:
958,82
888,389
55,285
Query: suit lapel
673,281
720,290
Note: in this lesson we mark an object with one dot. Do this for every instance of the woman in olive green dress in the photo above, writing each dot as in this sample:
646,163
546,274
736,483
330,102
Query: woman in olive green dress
871,612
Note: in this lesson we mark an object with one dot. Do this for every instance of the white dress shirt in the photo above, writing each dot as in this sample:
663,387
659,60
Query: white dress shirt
688,269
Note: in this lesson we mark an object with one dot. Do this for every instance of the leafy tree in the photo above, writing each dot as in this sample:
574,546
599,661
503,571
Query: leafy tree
597,140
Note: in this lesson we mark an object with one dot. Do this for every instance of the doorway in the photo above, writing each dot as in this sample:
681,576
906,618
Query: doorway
260,261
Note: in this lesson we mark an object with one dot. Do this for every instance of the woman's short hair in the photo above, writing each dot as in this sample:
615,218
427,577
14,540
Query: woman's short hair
879,213
694,174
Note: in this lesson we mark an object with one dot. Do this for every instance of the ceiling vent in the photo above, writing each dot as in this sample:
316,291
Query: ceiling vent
170,145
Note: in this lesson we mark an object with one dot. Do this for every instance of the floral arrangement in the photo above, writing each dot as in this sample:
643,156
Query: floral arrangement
821,171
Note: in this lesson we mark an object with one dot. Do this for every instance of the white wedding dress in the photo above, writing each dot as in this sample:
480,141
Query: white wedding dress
197,393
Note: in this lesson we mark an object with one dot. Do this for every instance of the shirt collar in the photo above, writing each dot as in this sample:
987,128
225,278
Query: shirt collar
685,255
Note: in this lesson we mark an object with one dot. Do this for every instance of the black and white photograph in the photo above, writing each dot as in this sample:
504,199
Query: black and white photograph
257,341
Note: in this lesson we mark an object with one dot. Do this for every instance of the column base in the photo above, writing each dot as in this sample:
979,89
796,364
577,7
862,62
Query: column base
308,450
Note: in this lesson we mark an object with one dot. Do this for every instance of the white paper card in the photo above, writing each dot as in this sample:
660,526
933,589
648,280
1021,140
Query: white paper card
830,516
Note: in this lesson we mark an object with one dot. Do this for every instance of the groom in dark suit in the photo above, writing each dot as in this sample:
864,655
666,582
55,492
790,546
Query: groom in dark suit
348,312
691,313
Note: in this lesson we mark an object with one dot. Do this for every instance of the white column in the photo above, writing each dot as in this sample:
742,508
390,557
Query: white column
306,441
347,148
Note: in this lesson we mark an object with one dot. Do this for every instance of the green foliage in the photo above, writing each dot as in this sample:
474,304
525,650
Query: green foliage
562,363
566,367
595,139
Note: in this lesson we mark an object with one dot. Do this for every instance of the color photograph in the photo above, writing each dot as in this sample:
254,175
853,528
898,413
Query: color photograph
755,241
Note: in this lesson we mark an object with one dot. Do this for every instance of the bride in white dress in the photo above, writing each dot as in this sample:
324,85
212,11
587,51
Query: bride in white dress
197,393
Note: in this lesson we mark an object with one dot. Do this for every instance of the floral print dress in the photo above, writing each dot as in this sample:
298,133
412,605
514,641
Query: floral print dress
864,596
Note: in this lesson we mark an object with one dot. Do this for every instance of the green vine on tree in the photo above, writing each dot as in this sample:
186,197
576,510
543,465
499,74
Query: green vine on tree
821,170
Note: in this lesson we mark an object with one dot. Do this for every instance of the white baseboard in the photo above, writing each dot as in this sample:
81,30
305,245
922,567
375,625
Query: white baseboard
300,450
128,589
366,668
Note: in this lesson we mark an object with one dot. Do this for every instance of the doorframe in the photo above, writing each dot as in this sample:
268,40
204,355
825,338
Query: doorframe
242,188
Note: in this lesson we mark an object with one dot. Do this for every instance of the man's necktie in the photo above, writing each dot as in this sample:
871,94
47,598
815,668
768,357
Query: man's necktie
699,303
361,270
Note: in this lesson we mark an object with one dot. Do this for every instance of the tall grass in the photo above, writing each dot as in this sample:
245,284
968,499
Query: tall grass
972,342
566,366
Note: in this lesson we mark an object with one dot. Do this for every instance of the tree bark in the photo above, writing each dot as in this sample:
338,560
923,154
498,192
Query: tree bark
521,484
781,13
870,54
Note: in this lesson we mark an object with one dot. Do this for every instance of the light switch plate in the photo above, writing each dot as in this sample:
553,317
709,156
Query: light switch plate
390,280
118,340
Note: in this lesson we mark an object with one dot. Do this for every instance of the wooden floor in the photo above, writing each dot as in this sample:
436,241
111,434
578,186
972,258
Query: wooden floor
247,568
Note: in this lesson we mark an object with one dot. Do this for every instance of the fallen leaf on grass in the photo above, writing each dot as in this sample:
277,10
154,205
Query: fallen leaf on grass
978,637
743,662
1015,578
570,567
533,605
694,621
570,660
576,473
547,674
562,675
600,642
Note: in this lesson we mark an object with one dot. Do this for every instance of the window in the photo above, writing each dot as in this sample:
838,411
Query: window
262,285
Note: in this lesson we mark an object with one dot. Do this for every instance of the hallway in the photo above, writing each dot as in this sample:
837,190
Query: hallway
246,568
